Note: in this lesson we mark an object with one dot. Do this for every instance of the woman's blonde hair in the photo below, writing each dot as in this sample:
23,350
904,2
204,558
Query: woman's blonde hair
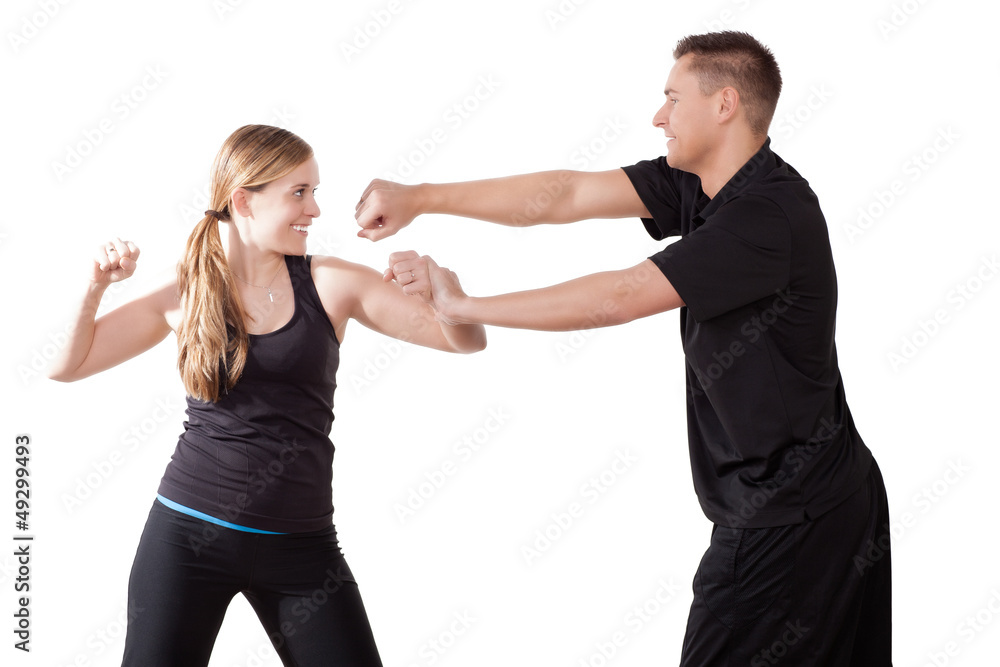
212,337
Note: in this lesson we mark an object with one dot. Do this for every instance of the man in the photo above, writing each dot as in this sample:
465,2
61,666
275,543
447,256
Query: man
792,573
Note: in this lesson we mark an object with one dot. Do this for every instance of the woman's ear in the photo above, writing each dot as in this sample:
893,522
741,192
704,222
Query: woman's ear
239,203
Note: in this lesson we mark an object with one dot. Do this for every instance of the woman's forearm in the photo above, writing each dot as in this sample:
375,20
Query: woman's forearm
81,335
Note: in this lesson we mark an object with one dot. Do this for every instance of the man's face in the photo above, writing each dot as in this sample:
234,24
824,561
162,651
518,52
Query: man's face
686,118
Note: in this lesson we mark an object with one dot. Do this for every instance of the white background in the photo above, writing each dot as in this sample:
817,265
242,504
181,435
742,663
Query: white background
868,86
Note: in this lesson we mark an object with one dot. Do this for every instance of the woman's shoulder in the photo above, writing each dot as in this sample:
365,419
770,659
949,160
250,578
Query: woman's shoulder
325,267
341,286
340,280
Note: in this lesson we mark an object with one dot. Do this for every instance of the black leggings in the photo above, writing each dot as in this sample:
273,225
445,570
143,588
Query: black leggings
186,571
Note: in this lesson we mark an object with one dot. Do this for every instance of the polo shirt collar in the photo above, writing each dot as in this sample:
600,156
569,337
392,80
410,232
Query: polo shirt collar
762,163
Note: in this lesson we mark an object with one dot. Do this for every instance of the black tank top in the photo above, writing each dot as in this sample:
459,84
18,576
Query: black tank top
261,457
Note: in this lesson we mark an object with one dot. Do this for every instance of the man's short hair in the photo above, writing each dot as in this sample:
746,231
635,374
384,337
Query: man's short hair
736,59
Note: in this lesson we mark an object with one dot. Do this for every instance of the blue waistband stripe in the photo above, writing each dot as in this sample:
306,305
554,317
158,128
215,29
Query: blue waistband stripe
211,519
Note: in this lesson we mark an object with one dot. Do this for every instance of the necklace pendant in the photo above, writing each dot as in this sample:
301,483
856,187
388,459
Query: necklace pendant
269,295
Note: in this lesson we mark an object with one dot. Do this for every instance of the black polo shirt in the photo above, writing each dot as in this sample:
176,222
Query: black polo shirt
771,437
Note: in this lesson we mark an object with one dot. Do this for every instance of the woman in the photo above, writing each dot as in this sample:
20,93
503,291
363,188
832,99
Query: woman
245,502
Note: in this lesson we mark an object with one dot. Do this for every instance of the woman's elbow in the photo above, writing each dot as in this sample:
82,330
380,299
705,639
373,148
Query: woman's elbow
473,346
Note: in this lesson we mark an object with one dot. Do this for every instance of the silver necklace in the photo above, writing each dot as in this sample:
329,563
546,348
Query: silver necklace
268,286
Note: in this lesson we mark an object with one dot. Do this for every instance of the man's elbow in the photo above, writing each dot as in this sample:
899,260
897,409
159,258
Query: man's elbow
624,316
556,201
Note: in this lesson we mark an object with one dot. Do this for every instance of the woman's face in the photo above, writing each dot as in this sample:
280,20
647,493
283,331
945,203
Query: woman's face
280,214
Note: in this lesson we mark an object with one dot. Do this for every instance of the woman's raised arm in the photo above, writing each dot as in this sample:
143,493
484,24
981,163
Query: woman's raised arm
125,332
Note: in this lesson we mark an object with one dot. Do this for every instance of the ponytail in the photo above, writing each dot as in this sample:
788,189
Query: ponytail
212,338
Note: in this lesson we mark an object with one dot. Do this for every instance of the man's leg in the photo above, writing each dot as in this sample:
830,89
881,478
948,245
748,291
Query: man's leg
811,594
873,638
742,595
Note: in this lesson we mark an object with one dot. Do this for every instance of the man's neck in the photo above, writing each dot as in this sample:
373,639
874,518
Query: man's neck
729,159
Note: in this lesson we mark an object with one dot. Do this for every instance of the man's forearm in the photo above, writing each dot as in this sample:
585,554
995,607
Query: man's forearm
518,201
597,300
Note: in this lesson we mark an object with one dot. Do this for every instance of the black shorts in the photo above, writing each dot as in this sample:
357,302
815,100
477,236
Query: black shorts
814,594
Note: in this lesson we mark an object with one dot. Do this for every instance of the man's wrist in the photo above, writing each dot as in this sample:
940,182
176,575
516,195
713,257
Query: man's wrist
430,198
458,311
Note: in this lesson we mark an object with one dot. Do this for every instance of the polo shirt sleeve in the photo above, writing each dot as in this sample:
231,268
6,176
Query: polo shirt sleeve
655,183
741,254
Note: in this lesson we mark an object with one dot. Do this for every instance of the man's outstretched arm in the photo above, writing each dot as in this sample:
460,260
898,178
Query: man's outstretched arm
529,199
596,300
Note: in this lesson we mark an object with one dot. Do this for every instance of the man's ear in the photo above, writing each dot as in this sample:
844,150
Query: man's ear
729,102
